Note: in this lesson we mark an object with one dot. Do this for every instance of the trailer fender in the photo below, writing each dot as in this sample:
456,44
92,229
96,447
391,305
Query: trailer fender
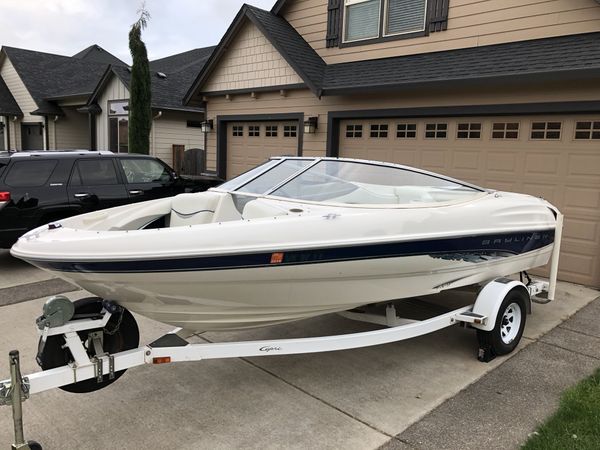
490,298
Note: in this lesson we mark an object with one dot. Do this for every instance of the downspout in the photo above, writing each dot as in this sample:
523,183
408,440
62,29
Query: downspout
156,117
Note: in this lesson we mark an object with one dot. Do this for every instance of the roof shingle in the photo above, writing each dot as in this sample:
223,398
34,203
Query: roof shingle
554,56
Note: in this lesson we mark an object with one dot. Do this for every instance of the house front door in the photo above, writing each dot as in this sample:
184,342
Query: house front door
32,136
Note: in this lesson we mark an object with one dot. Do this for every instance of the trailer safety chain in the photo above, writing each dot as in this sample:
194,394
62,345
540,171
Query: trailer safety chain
117,325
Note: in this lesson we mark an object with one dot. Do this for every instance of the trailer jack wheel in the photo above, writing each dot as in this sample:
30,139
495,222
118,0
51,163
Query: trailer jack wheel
508,329
120,333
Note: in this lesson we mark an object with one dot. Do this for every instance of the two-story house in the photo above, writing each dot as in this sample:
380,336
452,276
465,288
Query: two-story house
500,93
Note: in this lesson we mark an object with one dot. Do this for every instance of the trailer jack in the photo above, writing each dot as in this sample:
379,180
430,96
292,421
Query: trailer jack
14,394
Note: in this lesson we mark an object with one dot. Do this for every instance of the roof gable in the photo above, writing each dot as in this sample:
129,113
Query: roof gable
49,77
97,54
166,92
282,36
250,61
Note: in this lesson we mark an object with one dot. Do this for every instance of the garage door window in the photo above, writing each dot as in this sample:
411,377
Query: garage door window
271,131
505,130
468,131
406,130
254,130
290,131
379,131
436,130
545,130
354,131
238,130
587,130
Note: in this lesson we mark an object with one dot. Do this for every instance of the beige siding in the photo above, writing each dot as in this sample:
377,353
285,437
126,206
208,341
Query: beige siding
114,90
170,129
304,101
71,131
471,23
250,61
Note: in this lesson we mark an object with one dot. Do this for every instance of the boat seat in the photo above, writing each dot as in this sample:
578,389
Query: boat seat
193,209
257,209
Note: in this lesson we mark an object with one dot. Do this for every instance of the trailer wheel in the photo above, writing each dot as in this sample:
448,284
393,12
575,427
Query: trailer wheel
121,333
510,323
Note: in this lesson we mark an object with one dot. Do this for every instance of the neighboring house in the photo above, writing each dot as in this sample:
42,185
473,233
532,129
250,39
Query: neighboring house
504,95
40,94
58,102
173,123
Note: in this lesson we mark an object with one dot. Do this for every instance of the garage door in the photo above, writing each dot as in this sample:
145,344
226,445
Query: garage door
252,143
555,157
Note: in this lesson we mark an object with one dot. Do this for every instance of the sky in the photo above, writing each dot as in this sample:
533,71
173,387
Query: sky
65,27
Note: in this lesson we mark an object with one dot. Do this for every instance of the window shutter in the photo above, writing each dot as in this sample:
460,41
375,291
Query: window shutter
333,23
438,15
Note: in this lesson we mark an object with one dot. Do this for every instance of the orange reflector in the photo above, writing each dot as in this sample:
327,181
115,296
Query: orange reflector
276,258
161,360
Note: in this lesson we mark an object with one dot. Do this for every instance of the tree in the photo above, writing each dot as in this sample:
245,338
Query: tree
140,113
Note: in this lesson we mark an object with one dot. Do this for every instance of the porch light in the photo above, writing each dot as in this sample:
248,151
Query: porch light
310,125
206,126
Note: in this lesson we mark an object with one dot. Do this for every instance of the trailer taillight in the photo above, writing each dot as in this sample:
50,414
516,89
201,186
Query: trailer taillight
4,196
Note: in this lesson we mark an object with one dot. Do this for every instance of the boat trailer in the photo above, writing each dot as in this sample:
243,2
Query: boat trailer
498,315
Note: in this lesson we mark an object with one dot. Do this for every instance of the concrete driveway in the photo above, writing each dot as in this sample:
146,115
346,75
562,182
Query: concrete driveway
356,399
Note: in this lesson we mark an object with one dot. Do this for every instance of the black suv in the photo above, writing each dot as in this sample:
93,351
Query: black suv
40,187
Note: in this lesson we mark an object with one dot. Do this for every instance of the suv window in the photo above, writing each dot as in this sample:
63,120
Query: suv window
30,173
144,171
91,172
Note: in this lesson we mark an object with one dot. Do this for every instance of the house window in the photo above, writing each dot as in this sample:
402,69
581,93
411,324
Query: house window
379,130
363,19
194,124
238,130
118,126
253,130
468,131
404,16
271,131
545,130
505,130
354,131
587,130
436,130
290,130
406,130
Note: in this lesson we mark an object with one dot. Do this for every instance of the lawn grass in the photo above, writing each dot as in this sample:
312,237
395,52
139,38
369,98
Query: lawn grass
576,424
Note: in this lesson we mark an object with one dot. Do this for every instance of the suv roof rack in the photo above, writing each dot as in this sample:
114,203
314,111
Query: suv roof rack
27,153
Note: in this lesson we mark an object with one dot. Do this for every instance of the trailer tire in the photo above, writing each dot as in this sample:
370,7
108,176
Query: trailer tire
126,336
509,326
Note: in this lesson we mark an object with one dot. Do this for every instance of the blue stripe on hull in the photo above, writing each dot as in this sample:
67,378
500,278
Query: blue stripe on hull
485,244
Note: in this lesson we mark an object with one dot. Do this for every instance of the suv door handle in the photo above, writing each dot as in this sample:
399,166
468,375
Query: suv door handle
136,192
82,195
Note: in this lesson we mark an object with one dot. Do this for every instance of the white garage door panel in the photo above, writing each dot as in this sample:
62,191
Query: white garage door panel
564,171
245,152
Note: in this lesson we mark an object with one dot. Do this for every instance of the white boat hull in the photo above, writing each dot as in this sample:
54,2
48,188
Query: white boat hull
240,272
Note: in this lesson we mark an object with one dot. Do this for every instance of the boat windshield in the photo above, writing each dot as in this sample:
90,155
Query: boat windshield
354,182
